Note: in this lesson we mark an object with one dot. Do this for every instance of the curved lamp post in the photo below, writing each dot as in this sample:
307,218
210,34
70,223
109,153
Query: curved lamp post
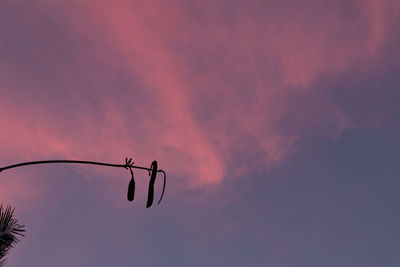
128,165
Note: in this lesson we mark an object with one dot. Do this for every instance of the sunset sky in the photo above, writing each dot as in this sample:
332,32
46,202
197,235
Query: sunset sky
277,122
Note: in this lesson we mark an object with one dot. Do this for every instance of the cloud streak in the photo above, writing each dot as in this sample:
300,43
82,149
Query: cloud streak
201,87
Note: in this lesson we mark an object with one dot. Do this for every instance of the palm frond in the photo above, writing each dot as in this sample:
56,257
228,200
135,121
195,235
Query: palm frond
9,231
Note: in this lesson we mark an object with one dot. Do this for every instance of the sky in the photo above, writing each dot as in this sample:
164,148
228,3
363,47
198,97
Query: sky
277,122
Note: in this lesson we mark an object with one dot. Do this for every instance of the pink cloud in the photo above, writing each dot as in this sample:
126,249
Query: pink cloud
217,78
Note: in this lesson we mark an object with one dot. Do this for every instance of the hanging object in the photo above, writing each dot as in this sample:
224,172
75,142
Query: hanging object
129,164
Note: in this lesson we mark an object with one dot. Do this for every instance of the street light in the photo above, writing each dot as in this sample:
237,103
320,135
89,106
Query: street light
128,165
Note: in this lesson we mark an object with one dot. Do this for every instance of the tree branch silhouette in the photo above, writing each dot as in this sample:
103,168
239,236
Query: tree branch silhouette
129,164
9,232
10,229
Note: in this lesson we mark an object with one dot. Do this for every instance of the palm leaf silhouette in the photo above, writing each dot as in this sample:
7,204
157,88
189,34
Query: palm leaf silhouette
9,231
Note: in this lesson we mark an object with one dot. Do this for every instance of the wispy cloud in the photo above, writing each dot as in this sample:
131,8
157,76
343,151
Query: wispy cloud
197,86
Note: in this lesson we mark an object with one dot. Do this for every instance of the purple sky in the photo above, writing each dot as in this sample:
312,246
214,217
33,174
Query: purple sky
277,123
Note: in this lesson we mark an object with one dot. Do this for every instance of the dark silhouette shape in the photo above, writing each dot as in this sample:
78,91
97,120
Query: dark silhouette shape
131,187
9,232
128,165
153,174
